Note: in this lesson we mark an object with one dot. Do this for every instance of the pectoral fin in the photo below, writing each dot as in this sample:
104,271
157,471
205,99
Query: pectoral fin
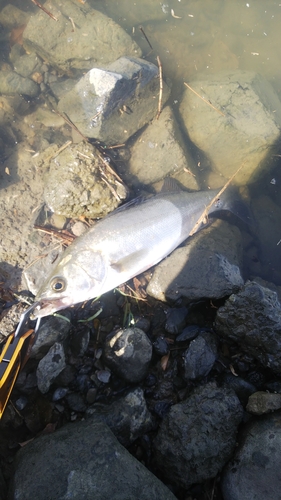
133,262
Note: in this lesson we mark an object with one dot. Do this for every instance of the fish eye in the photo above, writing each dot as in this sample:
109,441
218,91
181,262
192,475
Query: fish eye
58,284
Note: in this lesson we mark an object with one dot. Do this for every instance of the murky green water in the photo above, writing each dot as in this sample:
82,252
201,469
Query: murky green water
190,37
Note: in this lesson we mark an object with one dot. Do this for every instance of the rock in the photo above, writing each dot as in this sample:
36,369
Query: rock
263,402
242,388
52,329
252,318
3,487
189,333
254,472
176,319
12,17
82,460
50,367
197,436
249,128
27,64
159,152
128,417
208,266
96,40
113,102
199,358
128,352
11,83
78,183
76,402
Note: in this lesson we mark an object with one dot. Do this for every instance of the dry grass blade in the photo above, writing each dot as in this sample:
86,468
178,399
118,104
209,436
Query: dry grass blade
44,9
161,87
203,99
204,215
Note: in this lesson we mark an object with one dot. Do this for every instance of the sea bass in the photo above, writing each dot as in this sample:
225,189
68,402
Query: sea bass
124,244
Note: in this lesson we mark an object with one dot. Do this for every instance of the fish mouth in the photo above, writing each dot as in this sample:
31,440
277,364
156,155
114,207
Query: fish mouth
46,307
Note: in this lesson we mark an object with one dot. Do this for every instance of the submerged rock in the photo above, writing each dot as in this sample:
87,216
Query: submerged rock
113,102
160,151
12,83
208,266
198,436
252,318
82,460
78,183
254,473
246,129
95,39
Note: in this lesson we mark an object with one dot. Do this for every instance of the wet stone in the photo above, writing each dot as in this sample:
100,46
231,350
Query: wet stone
128,352
263,402
252,318
159,152
12,83
50,367
78,455
254,472
114,102
75,186
208,266
161,346
207,420
199,358
67,49
75,402
249,128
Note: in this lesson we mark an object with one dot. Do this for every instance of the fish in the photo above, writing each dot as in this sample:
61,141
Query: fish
126,243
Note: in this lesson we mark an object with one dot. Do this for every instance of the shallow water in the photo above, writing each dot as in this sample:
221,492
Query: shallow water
190,37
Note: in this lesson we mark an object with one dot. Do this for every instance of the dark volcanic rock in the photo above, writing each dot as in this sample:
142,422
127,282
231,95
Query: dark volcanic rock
198,436
255,471
82,461
252,318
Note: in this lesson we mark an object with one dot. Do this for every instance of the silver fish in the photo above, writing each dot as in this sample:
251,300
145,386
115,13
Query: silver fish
122,245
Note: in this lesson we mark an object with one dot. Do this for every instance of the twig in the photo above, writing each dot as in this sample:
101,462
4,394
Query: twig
161,87
44,10
66,237
204,215
141,29
203,99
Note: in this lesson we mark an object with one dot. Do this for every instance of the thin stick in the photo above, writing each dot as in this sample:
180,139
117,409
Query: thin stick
204,215
44,10
141,29
161,87
203,99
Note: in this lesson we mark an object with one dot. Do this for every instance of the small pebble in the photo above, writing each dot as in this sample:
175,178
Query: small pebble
103,376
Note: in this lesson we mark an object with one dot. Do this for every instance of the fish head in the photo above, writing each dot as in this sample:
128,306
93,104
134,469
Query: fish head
76,278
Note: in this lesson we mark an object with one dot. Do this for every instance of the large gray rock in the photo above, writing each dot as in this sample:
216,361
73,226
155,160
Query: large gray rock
160,151
113,102
82,461
248,130
255,471
50,367
198,436
252,318
96,39
208,266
